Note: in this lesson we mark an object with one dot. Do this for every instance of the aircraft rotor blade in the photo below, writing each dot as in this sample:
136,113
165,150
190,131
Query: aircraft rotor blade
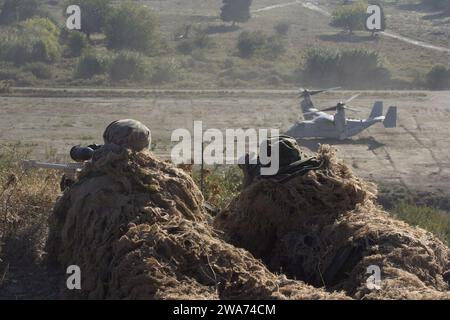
335,107
314,92
351,109
308,113
320,110
329,109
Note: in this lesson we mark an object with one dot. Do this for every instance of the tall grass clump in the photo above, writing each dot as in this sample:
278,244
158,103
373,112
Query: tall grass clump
220,185
431,219
26,200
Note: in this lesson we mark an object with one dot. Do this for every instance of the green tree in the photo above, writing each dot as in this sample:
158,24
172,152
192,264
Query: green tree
350,17
235,11
438,4
35,39
94,14
18,10
133,27
44,36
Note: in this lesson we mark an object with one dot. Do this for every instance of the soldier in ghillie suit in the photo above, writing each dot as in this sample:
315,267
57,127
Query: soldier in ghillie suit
318,222
137,228
121,134
292,161
128,133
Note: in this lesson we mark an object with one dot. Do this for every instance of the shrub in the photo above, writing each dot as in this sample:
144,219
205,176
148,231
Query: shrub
348,68
321,65
35,39
165,71
199,41
228,63
185,47
428,218
133,27
127,65
282,28
220,186
274,47
15,50
19,10
252,43
94,14
438,78
361,66
42,51
90,64
202,40
350,17
17,77
76,42
44,37
39,70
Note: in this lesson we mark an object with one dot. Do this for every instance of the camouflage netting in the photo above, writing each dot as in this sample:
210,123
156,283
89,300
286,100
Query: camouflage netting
137,229
323,228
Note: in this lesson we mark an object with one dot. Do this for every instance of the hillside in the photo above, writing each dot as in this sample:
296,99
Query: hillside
216,61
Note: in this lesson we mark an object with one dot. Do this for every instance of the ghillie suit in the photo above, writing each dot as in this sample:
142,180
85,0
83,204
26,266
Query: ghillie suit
137,229
323,227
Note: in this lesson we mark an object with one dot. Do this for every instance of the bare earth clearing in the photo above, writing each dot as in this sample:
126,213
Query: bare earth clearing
415,154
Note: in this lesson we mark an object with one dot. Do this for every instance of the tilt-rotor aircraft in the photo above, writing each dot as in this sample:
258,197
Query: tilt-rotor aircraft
319,124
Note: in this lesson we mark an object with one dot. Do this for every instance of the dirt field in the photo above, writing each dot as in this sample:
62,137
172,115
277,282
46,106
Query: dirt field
415,155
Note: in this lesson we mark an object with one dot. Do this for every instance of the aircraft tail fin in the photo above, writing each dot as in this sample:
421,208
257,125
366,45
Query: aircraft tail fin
391,118
377,110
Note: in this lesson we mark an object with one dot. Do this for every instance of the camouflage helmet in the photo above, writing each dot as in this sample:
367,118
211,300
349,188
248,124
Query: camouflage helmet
128,133
288,148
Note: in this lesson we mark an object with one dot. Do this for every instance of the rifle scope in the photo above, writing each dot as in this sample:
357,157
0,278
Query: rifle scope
81,154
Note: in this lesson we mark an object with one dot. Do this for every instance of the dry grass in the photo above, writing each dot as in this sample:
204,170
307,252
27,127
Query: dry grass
220,185
26,200
429,218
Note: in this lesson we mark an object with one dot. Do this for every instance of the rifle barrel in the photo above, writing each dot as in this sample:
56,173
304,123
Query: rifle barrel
54,166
